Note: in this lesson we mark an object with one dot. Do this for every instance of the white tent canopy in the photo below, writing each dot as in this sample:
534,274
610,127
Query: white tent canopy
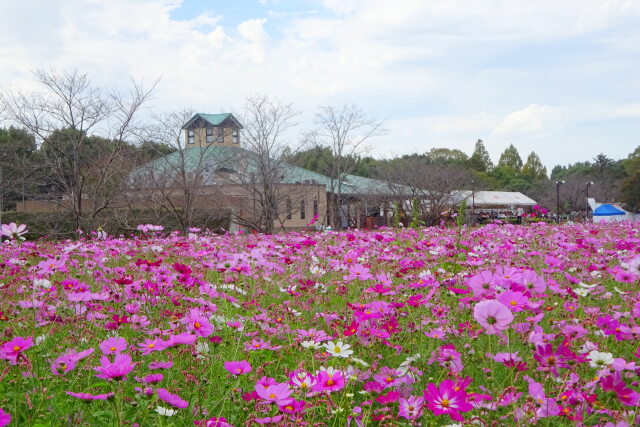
494,198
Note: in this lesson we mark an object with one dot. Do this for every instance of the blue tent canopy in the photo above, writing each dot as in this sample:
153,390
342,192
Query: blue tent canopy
607,210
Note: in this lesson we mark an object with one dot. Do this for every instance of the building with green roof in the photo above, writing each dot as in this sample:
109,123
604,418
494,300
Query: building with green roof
214,167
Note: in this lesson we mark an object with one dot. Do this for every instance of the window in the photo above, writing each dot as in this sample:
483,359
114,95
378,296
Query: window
288,208
209,135
302,212
191,137
236,136
315,208
220,135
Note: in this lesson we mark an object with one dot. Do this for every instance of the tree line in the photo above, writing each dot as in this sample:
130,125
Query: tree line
443,169
76,145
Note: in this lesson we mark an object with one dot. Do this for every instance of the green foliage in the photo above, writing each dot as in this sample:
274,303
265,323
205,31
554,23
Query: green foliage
631,192
447,156
396,214
480,159
533,169
510,160
416,214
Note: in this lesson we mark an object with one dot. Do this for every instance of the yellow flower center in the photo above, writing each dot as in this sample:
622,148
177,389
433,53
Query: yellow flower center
196,325
151,345
16,348
445,403
337,349
272,396
112,348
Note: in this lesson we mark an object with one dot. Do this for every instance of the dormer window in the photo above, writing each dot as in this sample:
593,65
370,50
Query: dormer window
209,135
236,136
191,137
220,135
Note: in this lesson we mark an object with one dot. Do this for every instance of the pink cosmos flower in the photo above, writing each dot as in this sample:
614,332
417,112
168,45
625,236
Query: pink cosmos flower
214,422
180,339
151,345
13,349
615,384
482,283
150,379
269,420
410,408
359,272
87,396
329,381
68,361
118,369
160,365
278,393
172,399
113,345
493,316
447,399
5,418
198,323
237,367
515,301
14,231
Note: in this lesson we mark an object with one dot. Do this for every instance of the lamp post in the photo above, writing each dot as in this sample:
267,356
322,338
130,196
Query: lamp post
558,184
473,200
586,212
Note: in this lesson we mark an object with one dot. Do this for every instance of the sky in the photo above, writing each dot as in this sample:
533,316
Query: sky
560,78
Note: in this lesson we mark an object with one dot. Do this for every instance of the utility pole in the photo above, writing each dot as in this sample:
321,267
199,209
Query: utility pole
586,212
558,184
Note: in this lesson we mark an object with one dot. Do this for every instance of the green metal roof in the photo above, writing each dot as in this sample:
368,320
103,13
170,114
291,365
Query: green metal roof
212,119
229,157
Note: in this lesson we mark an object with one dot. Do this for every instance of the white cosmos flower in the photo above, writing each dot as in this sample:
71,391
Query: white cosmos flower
581,292
584,285
310,344
598,359
165,411
202,347
41,283
338,349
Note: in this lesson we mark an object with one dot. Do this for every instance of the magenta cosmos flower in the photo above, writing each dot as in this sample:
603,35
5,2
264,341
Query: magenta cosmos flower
196,321
172,399
492,315
237,367
5,418
87,396
278,392
447,400
113,345
118,369
13,349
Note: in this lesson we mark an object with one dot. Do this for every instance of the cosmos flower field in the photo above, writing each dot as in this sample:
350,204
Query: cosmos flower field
495,326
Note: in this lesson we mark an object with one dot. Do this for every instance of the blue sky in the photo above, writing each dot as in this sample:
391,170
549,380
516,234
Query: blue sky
559,78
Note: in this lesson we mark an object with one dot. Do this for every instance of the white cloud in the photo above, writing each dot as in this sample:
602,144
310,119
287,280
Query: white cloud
530,121
435,60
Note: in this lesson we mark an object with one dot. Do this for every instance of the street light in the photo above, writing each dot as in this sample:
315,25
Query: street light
558,184
586,212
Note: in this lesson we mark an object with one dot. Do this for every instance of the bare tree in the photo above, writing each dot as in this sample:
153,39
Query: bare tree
178,184
345,130
432,184
267,124
64,117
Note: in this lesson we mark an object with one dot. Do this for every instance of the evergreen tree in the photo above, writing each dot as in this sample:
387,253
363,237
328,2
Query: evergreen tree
480,159
533,168
510,159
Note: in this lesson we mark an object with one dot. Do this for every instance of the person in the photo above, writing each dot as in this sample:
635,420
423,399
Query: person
519,214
